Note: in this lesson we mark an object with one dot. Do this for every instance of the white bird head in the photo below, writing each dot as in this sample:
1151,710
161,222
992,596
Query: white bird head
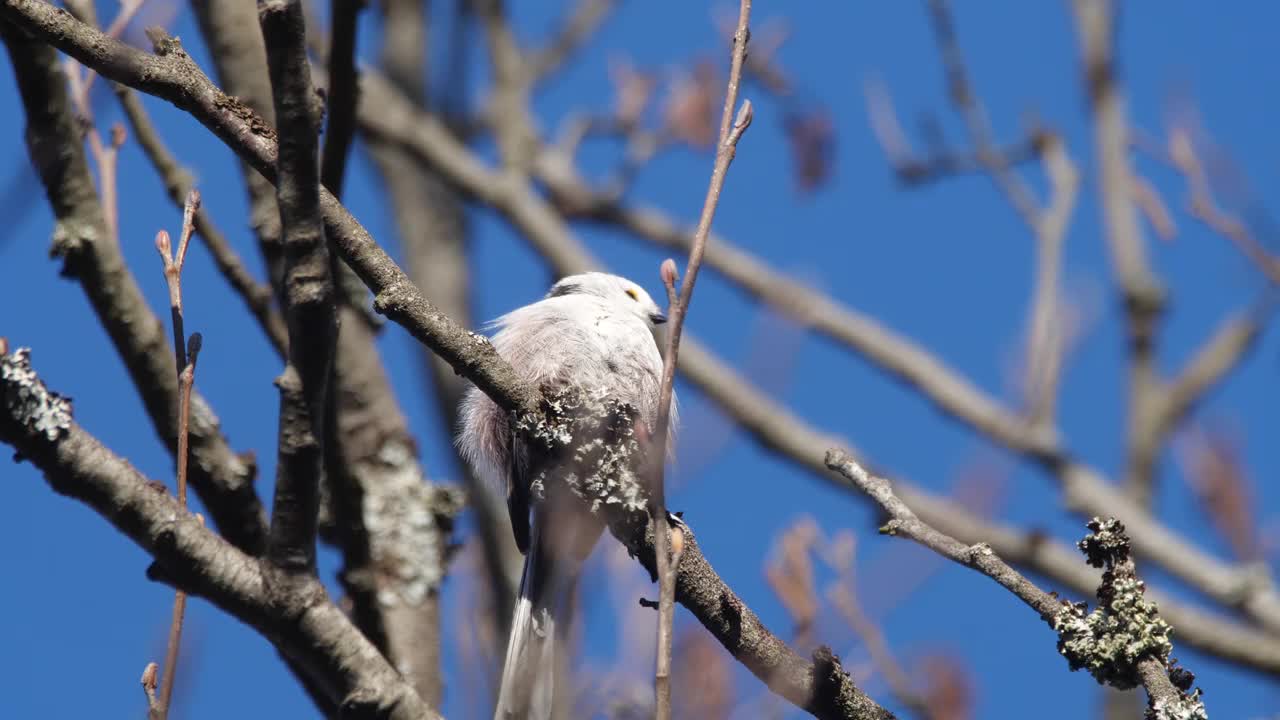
617,292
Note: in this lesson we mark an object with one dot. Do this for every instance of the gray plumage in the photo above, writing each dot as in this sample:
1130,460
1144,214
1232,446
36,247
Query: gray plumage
595,333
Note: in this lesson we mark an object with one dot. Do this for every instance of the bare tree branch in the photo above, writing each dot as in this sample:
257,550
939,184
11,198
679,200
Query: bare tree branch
308,290
1123,643
1216,358
914,168
393,527
902,521
971,109
509,102
1037,553
184,356
1045,340
1084,489
731,131
234,38
178,183
821,686
779,430
1183,155
300,620
396,119
432,230
172,75
341,98
223,478
1142,296
576,30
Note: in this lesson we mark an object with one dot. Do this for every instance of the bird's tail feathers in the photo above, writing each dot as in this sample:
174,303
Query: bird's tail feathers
540,621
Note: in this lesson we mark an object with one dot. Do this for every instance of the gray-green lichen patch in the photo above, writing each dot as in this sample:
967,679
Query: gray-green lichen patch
409,522
587,440
1106,545
1187,707
28,402
1125,629
1110,641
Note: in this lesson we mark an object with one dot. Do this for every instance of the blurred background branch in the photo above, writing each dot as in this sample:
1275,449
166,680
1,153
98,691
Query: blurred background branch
502,145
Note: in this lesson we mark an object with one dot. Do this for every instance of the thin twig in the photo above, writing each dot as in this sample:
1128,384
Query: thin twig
974,114
169,676
1046,342
698,589
173,276
108,166
105,157
577,29
304,624
731,130
1205,208
185,365
666,566
178,183
1085,489
128,8
913,168
1132,623
903,521
222,477
509,106
845,599
1140,291
1217,357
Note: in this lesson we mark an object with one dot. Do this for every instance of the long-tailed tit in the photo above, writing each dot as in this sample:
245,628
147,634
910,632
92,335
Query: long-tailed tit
594,333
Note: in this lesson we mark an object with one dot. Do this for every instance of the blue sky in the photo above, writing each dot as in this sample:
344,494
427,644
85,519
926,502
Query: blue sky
947,264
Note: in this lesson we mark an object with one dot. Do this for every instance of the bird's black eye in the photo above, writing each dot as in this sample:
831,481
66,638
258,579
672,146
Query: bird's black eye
631,293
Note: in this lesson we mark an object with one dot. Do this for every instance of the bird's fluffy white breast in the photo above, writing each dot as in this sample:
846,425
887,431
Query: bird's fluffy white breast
576,339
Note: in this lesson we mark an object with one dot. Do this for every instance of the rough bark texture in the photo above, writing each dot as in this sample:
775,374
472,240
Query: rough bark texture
91,256
296,616
310,309
234,38
432,228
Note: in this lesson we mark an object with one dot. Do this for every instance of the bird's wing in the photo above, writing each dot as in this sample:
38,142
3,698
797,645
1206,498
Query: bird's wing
518,493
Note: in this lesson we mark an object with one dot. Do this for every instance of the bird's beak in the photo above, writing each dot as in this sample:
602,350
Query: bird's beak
657,318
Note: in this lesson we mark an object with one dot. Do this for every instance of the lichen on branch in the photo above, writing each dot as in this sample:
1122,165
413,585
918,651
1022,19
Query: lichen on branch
589,440
1125,627
27,401
1123,641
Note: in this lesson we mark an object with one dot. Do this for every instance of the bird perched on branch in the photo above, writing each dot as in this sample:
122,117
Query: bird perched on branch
590,345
